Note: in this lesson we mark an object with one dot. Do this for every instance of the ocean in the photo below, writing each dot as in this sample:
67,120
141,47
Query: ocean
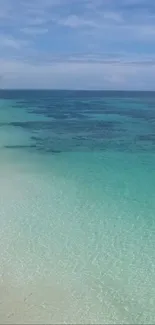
77,207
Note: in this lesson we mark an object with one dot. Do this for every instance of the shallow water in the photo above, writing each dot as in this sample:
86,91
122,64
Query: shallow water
77,205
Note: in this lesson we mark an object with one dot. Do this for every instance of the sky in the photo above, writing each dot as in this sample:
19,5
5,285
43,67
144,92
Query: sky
77,44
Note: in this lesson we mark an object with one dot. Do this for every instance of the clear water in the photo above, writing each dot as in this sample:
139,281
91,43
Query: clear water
77,207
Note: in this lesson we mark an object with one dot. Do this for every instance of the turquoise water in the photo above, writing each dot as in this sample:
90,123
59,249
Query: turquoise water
77,205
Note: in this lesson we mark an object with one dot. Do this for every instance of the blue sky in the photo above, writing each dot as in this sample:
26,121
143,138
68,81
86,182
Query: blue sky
77,44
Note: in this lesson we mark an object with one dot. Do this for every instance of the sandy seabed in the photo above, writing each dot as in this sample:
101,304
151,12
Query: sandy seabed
61,262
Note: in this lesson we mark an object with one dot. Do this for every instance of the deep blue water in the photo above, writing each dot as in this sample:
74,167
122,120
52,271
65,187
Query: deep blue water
62,121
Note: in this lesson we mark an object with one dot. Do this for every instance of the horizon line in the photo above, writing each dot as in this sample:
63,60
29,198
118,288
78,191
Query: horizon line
61,89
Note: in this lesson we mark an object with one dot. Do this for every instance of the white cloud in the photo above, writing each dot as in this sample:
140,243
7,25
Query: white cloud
113,17
10,42
34,30
75,21
76,75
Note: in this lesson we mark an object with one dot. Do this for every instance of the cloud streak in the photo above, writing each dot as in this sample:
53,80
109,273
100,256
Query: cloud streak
34,30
